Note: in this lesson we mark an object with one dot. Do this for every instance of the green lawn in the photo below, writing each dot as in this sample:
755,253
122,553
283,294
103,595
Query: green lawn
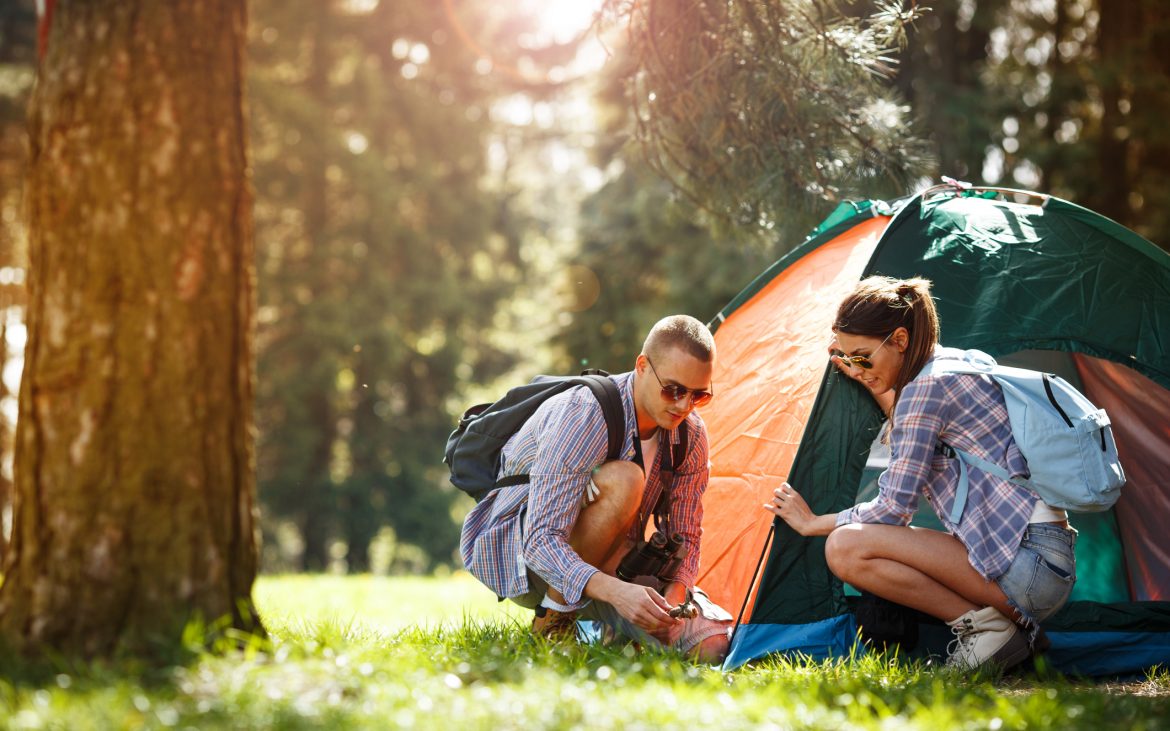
379,604
365,652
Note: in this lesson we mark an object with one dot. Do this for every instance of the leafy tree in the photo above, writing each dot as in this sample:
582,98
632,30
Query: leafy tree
134,465
765,111
1088,119
1067,97
942,74
644,256
385,253
735,127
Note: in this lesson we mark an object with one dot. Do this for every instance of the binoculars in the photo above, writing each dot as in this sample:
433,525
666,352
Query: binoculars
659,557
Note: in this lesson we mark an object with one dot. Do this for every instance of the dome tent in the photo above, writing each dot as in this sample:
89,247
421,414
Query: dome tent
1029,278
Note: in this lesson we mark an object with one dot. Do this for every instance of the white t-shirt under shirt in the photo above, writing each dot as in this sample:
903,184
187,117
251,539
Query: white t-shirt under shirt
649,451
1045,513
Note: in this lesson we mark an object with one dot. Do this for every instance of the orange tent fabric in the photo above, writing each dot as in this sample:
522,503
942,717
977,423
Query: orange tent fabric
756,421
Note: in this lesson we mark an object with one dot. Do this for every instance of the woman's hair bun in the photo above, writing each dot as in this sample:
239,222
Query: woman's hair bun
912,290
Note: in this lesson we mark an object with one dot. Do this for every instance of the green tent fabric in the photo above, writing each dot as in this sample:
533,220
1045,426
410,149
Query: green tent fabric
1021,276
1041,283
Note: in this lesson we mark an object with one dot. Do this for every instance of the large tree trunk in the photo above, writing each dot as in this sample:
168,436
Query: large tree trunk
5,433
134,506
18,24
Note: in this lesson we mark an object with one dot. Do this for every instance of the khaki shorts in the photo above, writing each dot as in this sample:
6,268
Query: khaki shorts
712,620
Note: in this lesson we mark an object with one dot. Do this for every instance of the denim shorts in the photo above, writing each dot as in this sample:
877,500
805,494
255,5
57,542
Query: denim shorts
1042,574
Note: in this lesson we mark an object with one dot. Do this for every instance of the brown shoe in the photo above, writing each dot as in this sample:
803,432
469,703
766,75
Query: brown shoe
555,625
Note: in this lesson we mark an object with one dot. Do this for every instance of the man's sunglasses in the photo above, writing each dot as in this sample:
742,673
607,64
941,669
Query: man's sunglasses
861,361
672,392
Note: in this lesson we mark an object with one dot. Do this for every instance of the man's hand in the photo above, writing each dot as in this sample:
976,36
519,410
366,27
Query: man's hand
675,594
639,604
646,608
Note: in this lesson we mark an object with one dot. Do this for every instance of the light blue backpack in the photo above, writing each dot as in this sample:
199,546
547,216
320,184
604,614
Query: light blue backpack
1066,440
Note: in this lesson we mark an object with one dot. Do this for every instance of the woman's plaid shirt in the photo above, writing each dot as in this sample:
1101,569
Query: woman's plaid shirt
966,412
525,528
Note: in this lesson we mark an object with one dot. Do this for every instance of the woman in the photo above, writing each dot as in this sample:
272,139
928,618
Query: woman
1008,563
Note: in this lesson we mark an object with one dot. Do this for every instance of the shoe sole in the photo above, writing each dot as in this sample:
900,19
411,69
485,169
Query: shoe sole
1014,652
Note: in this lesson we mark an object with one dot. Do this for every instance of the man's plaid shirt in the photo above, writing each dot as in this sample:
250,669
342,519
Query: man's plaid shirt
966,412
525,528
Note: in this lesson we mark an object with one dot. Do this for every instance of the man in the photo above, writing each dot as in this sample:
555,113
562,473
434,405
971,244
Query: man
555,543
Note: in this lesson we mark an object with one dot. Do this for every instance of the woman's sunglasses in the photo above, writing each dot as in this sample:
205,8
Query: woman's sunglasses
672,392
861,361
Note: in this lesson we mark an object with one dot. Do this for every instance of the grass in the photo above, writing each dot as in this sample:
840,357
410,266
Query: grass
364,652
378,604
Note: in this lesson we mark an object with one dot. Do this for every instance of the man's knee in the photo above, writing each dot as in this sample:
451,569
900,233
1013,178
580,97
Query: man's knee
621,484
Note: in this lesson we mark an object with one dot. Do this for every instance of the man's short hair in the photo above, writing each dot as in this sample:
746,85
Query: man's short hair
683,332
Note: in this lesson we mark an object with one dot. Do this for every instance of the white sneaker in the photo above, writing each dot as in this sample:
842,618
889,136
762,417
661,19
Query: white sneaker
985,636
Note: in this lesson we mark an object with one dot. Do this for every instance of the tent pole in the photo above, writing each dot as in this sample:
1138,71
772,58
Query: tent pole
755,577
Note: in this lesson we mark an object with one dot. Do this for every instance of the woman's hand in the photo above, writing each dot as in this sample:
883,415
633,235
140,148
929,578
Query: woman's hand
834,355
793,510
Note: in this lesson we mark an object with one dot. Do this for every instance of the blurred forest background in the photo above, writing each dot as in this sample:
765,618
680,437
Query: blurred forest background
455,195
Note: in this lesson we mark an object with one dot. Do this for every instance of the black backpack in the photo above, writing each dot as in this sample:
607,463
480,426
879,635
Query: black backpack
473,449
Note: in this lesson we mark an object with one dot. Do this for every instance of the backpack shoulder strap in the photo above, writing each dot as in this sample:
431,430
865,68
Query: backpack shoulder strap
679,451
966,458
607,394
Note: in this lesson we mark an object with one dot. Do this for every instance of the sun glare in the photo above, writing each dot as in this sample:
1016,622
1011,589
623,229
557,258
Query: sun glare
552,22
564,20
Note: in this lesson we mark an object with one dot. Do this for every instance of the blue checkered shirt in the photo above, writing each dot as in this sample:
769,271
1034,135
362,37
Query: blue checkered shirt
525,528
966,412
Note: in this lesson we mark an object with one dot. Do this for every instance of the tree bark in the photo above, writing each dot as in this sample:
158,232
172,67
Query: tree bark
5,432
134,493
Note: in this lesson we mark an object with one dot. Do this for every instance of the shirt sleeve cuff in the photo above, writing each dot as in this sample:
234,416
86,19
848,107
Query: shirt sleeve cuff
575,582
845,517
685,577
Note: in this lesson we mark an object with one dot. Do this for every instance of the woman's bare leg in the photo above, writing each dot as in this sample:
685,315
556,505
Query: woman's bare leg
917,567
